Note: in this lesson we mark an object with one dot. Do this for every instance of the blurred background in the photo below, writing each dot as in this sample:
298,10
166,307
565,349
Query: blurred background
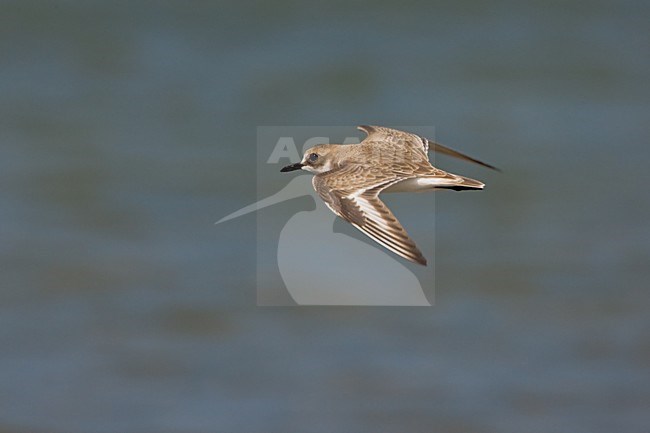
128,128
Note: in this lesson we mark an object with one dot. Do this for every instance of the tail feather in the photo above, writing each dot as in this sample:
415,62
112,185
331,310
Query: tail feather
441,180
461,183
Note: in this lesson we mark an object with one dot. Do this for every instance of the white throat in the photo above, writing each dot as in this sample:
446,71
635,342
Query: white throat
327,166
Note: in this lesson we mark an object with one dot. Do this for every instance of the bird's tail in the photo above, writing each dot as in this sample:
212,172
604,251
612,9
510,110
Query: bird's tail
459,183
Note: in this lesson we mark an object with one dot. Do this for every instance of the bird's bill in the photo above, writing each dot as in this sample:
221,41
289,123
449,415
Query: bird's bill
292,167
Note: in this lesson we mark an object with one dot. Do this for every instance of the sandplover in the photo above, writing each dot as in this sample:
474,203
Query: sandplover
349,179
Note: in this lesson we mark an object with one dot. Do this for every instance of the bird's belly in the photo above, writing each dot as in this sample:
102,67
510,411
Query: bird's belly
414,185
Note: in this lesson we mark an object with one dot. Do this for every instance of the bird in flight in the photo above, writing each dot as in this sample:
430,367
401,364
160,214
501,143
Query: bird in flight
349,179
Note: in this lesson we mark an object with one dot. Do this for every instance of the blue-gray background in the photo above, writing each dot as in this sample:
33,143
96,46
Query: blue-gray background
128,128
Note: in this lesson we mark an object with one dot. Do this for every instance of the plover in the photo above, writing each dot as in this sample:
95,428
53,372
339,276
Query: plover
349,179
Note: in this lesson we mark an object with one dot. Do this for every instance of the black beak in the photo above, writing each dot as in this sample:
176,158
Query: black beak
292,167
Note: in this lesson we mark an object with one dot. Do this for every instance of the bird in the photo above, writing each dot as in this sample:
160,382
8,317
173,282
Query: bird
350,177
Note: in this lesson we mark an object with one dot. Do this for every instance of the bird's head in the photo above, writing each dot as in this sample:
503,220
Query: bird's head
317,159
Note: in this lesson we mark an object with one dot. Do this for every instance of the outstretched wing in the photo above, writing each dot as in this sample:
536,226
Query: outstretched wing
362,208
393,136
437,147
389,135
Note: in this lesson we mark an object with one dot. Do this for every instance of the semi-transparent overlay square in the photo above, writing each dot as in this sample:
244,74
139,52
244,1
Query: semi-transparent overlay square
306,255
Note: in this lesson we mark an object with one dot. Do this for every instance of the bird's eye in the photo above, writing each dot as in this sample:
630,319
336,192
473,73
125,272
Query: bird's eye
313,157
